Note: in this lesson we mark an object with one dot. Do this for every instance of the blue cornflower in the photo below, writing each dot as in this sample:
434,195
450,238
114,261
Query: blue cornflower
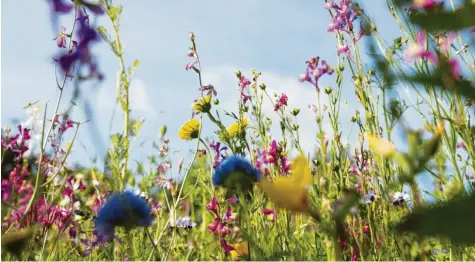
235,171
123,209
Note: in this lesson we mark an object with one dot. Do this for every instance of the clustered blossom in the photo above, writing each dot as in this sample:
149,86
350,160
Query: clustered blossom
345,14
420,50
221,224
192,54
163,167
314,71
274,155
218,150
281,102
80,49
243,83
165,182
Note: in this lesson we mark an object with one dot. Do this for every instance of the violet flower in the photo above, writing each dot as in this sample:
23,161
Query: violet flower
314,71
419,50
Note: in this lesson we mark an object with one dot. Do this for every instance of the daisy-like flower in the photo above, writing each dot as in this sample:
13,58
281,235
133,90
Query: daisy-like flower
190,130
369,198
290,192
238,127
236,172
122,209
185,222
240,250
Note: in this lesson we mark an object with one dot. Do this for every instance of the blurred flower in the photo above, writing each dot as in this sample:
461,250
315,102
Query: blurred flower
445,41
399,198
190,130
210,89
163,167
419,50
233,199
313,69
290,192
369,198
454,68
185,222
191,65
218,155
61,38
244,82
227,248
426,5
461,145
344,49
281,102
269,212
381,146
213,206
238,127
122,209
164,182
235,170
60,7
240,249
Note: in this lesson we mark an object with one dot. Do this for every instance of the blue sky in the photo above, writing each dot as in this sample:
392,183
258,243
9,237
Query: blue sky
275,39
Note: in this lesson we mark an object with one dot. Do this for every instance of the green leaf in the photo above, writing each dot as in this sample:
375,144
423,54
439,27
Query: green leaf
453,219
114,12
104,34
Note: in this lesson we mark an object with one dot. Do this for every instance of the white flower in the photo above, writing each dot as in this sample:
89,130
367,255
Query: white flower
185,222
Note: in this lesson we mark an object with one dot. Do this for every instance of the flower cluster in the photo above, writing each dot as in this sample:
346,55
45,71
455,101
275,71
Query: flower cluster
314,71
273,155
218,150
281,102
221,226
346,12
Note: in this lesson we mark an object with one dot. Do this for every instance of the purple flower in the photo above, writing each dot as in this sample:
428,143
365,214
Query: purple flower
213,206
218,155
345,14
316,71
399,198
244,82
210,89
60,7
344,50
163,167
461,145
227,248
191,65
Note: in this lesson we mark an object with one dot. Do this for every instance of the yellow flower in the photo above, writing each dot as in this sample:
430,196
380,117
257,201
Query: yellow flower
240,249
202,105
381,146
189,130
290,192
238,127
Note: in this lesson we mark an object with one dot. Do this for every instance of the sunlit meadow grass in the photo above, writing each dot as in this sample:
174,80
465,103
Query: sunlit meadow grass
243,194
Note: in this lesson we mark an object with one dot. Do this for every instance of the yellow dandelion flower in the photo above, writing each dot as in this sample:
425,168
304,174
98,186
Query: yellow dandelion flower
240,249
237,127
202,105
189,130
381,146
291,192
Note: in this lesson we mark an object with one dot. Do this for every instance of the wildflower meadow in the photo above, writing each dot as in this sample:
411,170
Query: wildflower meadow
365,153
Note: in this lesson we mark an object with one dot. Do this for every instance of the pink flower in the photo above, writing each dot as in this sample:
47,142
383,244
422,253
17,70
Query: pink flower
163,167
316,71
419,50
269,212
244,82
454,68
426,5
281,102
191,65
345,49
61,38
228,215
213,227
459,145
446,41
232,200
191,53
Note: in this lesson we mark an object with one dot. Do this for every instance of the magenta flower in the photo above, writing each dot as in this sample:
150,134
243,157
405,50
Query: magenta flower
244,82
281,102
426,5
345,49
313,69
163,167
61,38
269,212
213,227
232,200
419,50
228,215
219,156
227,248
213,206
454,68
345,14
458,145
